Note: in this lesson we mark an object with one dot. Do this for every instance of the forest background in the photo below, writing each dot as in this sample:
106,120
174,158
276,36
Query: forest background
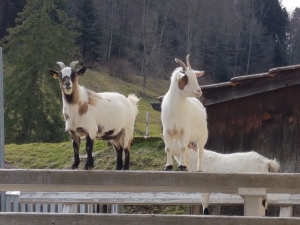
132,41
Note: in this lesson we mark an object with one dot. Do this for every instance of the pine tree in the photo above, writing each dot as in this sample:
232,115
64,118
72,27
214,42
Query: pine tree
275,19
8,13
90,31
32,97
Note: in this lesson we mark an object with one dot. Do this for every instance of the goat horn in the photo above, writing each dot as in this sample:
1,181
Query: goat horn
72,65
181,64
62,65
188,61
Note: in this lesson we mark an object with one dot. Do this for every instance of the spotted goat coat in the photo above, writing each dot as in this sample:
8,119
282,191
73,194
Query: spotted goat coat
108,116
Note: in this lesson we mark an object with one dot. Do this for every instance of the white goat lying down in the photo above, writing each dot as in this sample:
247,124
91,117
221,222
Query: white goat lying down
183,115
109,116
226,163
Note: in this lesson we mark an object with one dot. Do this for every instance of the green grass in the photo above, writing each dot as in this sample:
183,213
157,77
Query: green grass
146,154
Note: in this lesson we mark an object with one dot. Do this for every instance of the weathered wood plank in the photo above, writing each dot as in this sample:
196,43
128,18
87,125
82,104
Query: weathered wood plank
216,122
252,123
234,126
272,126
144,181
118,219
290,131
160,198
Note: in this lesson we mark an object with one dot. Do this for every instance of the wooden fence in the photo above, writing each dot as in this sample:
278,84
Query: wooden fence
251,186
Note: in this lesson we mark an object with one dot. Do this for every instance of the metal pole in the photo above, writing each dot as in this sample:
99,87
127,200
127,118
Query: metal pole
2,159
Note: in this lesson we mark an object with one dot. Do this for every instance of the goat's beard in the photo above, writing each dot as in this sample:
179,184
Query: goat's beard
68,91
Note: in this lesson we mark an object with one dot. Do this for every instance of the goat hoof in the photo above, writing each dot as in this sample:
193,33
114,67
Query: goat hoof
182,168
88,167
168,167
74,167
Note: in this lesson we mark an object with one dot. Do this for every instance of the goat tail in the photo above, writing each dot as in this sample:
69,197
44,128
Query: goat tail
134,101
274,166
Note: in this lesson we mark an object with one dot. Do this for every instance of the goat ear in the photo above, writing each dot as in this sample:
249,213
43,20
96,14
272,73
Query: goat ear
81,71
53,73
199,73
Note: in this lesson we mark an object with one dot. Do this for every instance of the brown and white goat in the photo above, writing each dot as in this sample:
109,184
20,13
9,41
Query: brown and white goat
108,115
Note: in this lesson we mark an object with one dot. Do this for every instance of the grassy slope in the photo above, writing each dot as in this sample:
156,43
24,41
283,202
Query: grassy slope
145,155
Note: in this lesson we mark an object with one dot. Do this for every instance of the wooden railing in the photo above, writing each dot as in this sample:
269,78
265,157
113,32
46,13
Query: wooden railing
251,186
91,202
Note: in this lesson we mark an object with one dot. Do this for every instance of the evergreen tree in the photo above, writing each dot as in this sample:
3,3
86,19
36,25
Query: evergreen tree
32,97
280,56
294,38
90,31
8,13
221,70
275,19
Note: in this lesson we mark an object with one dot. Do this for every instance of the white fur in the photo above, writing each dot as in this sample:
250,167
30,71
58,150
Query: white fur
228,163
183,112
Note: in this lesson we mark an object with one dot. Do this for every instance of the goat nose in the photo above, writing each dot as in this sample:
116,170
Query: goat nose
68,83
199,91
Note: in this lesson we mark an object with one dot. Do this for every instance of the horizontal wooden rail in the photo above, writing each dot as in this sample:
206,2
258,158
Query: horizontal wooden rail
144,181
159,198
118,219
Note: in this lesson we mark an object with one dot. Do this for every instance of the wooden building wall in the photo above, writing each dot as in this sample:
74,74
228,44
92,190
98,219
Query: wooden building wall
267,123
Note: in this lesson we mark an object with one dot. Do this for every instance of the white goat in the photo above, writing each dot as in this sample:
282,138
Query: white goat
227,163
109,116
183,115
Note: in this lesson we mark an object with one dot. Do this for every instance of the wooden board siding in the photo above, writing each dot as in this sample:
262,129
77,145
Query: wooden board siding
273,103
216,114
267,123
290,133
252,124
234,126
